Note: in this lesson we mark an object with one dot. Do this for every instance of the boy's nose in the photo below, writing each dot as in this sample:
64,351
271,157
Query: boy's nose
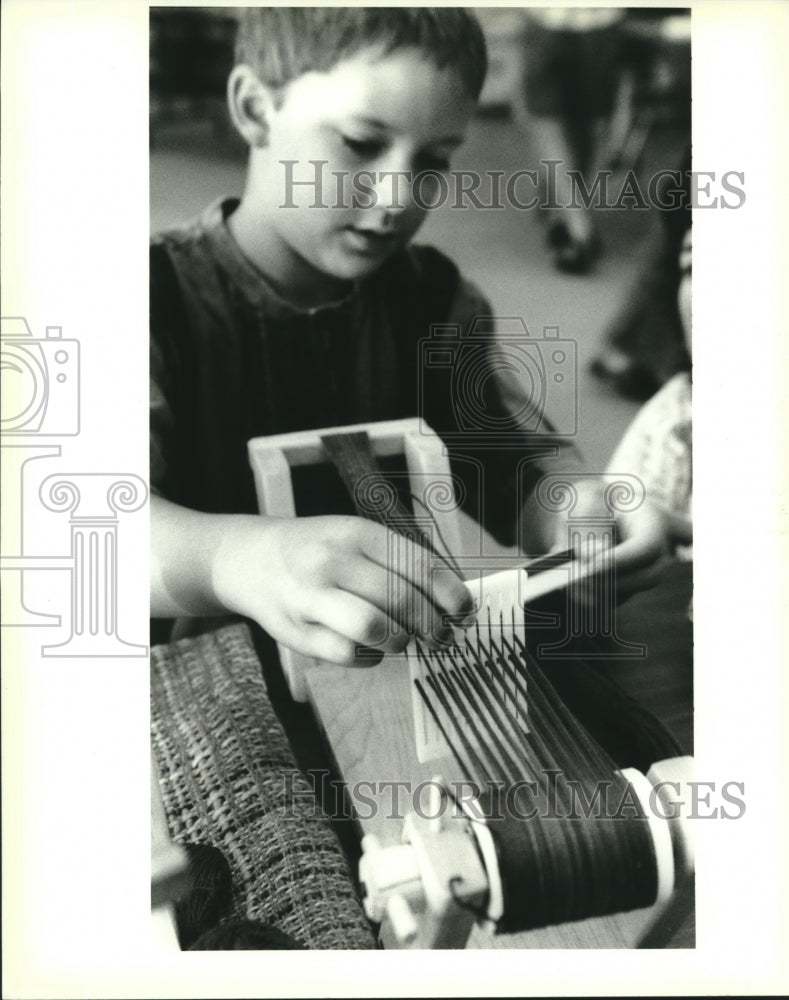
394,190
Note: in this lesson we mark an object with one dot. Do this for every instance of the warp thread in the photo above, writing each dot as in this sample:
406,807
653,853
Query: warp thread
557,867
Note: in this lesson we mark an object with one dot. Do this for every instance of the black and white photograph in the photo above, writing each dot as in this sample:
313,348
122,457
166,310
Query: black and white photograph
426,620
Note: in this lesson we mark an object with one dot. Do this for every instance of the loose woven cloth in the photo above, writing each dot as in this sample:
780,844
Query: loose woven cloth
229,778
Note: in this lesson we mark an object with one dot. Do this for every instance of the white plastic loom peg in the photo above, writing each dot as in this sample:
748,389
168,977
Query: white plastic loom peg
402,920
385,872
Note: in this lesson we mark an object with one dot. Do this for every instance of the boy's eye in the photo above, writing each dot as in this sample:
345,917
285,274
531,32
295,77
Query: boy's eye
362,147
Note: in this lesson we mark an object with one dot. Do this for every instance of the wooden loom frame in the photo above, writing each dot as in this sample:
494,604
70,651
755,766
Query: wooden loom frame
367,719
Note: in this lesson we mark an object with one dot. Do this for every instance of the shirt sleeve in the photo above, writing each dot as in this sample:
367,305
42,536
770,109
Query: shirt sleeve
657,447
165,311
161,420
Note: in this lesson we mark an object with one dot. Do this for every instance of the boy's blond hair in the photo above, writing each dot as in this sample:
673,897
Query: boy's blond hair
282,43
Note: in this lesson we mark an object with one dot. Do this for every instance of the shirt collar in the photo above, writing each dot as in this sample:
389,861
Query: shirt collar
253,284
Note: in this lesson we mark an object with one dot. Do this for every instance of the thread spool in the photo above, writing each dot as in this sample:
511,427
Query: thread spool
527,891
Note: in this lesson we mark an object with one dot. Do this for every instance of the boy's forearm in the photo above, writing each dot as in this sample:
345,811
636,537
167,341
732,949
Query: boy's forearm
184,547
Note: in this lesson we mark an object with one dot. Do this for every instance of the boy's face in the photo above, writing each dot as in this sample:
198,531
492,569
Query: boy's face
370,118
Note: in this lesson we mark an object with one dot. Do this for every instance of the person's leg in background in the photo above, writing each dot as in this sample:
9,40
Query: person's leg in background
570,83
645,344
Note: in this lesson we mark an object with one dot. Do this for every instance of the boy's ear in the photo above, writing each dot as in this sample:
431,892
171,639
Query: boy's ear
251,104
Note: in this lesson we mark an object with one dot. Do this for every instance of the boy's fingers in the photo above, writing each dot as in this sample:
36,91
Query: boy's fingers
425,571
586,592
318,641
323,643
642,543
358,620
394,596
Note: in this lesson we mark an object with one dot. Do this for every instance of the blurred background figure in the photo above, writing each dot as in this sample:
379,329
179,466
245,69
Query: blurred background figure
570,81
191,54
658,446
597,83
644,345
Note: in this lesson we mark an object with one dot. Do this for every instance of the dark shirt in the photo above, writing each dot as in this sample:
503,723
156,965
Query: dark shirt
231,360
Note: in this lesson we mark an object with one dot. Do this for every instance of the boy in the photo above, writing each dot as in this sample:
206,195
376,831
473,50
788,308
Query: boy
267,319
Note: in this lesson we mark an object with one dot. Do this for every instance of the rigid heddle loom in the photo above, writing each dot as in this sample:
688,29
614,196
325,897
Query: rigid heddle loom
508,793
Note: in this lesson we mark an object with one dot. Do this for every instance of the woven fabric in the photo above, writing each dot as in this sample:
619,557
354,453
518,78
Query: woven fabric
373,495
229,779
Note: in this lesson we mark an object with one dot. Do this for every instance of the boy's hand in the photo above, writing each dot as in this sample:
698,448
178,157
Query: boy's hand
325,586
642,540
641,545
